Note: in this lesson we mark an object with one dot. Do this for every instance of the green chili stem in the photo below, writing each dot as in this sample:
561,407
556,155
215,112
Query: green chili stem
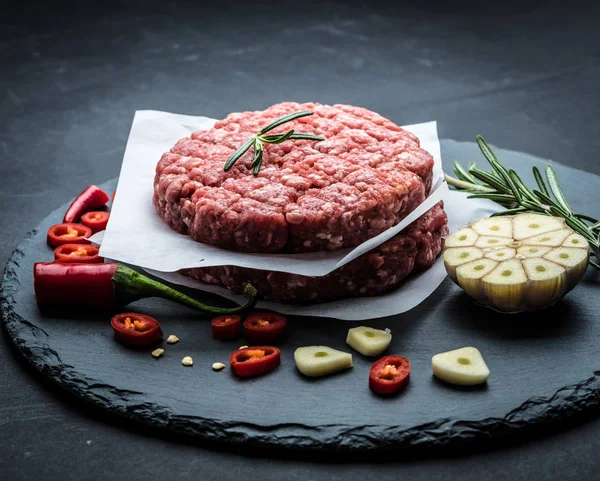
130,285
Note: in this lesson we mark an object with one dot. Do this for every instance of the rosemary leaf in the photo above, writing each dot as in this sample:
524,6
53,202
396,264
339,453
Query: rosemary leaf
285,119
596,226
558,211
522,187
547,200
239,152
595,264
485,149
497,166
462,174
556,190
258,158
492,196
490,180
299,136
591,220
276,138
540,180
258,153
465,186
516,210
506,177
534,206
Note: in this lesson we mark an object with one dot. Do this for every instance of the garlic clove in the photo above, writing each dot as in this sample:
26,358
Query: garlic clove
464,366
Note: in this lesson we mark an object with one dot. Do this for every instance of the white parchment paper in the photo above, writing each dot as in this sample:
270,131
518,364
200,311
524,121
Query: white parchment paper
162,251
159,248
413,291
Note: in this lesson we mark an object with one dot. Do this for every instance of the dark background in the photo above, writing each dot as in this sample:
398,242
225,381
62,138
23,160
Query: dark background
526,76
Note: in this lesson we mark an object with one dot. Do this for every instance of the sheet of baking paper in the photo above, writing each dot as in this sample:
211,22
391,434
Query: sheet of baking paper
412,292
157,247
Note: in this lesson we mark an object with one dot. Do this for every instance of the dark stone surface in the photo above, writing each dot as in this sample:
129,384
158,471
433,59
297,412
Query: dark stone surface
524,74
286,411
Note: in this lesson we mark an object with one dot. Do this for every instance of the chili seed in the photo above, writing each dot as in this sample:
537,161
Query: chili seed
187,361
158,352
243,347
172,339
217,366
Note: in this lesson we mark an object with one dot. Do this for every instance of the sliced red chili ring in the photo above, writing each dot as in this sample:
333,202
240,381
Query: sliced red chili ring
225,328
136,329
78,253
68,233
255,360
389,374
96,220
263,327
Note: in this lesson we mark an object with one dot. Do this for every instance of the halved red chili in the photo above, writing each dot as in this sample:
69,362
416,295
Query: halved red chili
265,327
253,361
78,253
68,233
91,198
95,220
136,329
389,375
225,328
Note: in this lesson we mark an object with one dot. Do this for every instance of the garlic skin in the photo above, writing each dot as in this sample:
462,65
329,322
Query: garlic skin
516,263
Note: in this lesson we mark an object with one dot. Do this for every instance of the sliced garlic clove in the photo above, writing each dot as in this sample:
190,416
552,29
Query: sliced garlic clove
553,239
493,226
321,360
461,238
456,256
532,251
500,254
567,256
505,284
368,341
547,282
576,240
527,225
468,276
575,261
492,241
464,366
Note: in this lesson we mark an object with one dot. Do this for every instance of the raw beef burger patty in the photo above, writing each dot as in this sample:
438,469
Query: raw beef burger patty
365,177
375,272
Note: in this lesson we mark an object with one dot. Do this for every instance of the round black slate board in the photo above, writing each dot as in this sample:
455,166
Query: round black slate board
543,366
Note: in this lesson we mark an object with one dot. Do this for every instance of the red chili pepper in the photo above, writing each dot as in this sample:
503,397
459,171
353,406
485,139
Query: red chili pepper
253,361
91,198
95,220
136,329
78,253
68,233
389,375
265,327
225,328
109,285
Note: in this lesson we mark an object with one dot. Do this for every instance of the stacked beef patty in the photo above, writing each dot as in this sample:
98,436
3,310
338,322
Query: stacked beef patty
365,177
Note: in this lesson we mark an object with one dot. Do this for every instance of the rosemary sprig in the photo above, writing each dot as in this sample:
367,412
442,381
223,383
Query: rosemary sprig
506,187
259,139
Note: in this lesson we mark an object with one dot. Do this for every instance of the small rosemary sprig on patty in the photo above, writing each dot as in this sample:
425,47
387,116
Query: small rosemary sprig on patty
506,187
259,139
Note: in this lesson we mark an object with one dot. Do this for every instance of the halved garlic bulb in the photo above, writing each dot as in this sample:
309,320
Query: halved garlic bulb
516,263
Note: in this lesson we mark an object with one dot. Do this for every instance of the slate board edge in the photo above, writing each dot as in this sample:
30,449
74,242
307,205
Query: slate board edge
536,412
